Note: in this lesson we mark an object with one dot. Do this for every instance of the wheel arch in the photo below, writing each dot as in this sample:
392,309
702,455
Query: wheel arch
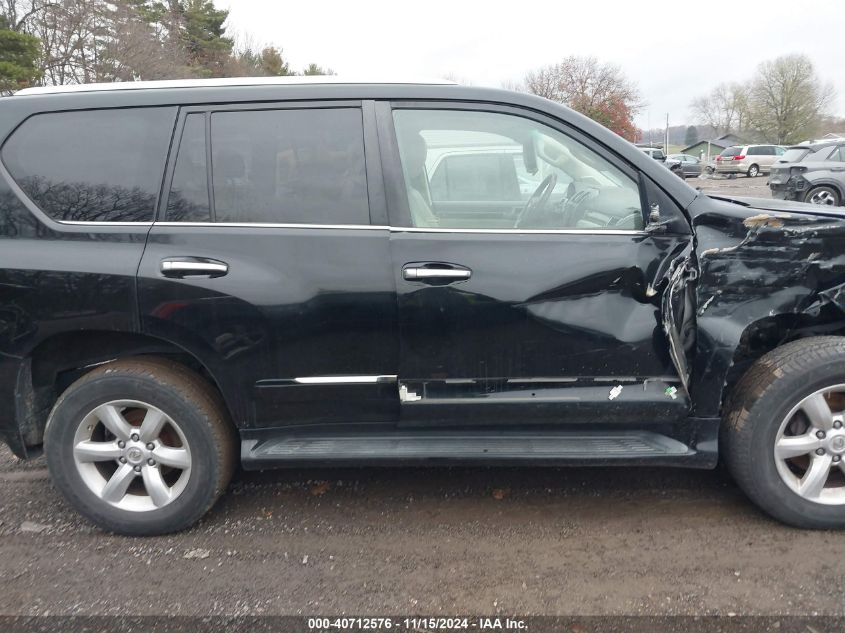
769,333
828,182
60,359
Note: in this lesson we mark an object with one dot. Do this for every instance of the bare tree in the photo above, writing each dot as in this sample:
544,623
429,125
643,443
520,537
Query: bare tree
788,100
725,108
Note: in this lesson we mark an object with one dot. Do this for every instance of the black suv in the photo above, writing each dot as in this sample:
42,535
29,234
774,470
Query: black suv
196,276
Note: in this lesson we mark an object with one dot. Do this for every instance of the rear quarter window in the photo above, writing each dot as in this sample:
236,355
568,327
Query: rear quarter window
92,165
794,155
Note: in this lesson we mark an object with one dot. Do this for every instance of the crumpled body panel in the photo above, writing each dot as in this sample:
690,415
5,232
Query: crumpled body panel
765,277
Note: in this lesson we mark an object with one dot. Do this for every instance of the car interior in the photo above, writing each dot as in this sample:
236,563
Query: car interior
481,170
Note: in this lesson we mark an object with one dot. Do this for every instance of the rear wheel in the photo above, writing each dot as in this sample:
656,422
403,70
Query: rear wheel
784,434
140,446
827,196
753,171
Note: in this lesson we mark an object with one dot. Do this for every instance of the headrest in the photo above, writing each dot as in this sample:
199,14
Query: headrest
415,153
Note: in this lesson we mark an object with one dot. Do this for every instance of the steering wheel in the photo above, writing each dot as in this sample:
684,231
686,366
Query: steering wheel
537,201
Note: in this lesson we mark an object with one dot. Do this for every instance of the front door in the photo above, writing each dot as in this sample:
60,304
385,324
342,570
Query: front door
527,285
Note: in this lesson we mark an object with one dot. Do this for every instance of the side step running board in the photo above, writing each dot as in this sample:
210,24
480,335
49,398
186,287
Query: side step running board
463,447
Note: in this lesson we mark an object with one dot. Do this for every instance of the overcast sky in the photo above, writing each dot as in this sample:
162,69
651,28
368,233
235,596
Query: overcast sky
674,51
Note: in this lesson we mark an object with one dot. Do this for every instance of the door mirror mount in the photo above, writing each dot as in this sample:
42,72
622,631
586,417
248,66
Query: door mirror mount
655,224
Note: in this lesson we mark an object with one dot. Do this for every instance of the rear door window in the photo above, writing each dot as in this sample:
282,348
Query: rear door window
282,166
92,165
838,154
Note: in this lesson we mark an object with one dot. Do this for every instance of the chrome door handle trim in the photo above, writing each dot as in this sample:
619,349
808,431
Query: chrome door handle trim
435,273
193,267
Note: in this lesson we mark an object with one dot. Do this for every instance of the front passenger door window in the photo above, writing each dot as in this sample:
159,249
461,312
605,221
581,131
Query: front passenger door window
485,170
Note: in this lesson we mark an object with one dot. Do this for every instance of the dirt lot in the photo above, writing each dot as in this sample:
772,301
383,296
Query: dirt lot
397,541
434,541
737,186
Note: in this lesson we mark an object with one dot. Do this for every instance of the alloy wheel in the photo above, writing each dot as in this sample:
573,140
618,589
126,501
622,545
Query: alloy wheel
823,197
810,447
132,455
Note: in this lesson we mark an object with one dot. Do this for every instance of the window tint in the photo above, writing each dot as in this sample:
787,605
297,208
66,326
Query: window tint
92,165
794,155
289,166
755,151
731,151
508,172
188,200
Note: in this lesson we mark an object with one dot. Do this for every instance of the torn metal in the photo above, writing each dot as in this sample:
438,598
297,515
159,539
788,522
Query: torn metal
768,272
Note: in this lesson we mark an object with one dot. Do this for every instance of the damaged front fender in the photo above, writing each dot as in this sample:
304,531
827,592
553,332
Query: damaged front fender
765,277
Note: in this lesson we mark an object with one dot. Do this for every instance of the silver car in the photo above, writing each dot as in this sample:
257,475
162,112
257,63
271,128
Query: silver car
816,174
751,160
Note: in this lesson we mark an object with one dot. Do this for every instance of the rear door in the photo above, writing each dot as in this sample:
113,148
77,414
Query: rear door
269,262
543,312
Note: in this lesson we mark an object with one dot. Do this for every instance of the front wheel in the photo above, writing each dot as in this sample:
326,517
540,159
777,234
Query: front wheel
140,446
784,433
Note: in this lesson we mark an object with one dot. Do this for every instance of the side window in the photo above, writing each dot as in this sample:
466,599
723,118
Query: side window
838,154
754,151
508,172
780,151
188,199
92,165
289,166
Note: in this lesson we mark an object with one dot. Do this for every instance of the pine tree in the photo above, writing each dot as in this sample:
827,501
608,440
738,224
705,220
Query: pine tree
19,54
691,137
203,34
315,69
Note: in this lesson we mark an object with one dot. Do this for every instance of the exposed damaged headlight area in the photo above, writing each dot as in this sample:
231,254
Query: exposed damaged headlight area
765,277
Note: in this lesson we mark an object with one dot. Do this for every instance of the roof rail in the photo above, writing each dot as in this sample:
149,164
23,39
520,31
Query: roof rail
220,83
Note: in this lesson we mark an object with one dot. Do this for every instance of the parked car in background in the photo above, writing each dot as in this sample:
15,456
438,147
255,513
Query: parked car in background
816,174
797,153
655,152
751,160
684,165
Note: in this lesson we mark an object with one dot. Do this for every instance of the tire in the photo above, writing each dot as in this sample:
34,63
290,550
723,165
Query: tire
177,476
753,171
825,196
679,172
763,412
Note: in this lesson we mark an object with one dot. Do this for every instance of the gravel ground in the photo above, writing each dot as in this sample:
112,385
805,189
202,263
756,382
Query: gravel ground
432,541
736,186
